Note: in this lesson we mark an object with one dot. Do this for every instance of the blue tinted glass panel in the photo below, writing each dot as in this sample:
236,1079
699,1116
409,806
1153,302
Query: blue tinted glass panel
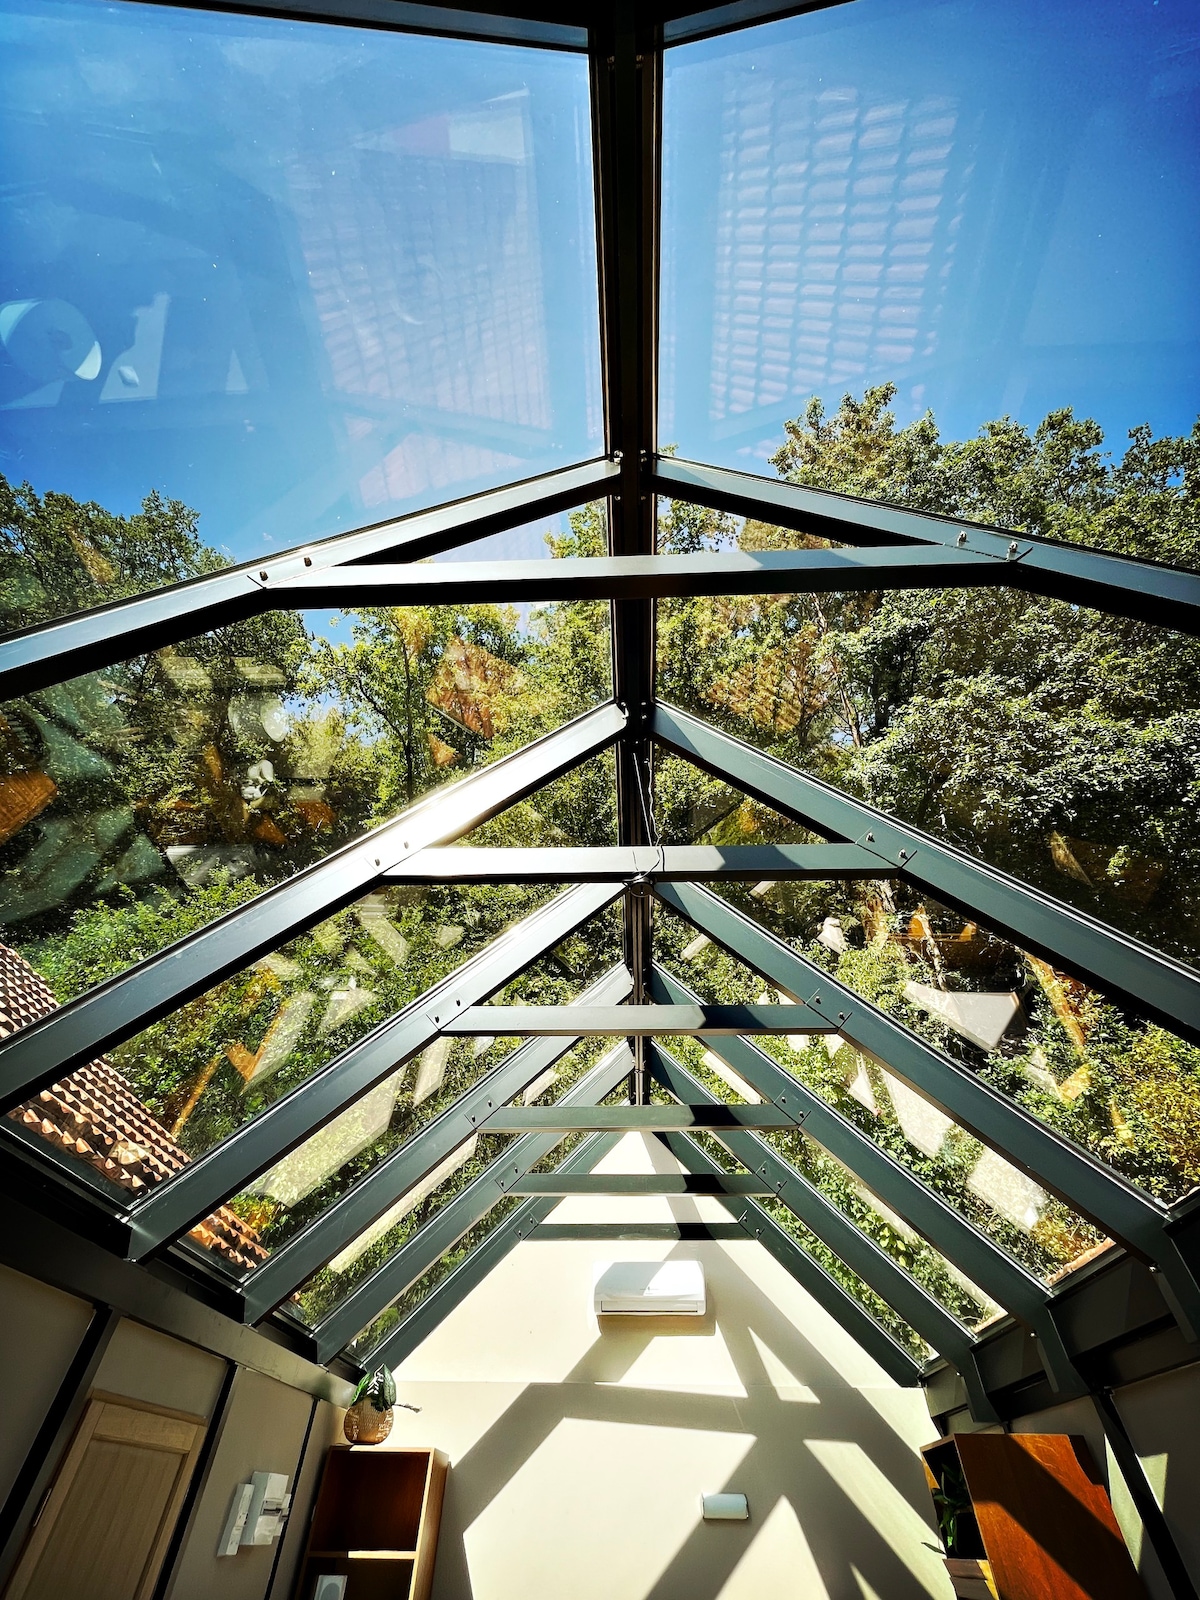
991,206
297,277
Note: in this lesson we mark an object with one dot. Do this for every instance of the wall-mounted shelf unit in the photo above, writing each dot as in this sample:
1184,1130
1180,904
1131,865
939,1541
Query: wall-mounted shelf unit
376,1520
1036,1523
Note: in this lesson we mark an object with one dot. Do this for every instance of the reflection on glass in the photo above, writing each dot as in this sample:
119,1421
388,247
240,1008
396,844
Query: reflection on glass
181,1086
306,1182
139,803
1042,736
413,1209
1034,1226
992,208
298,277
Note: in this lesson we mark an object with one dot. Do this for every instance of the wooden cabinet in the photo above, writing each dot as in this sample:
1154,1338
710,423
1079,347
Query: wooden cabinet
1039,1524
376,1519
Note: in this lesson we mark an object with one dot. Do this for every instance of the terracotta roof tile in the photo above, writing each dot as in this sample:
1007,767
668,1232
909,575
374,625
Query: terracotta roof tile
94,1115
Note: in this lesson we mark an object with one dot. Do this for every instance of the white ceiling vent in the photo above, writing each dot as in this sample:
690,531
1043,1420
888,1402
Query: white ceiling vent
649,1288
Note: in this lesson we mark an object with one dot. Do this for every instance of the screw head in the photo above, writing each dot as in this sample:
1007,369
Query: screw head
1013,548
308,561
870,838
962,538
263,576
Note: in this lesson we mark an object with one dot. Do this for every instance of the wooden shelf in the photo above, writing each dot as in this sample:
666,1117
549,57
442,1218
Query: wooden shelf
1041,1526
376,1520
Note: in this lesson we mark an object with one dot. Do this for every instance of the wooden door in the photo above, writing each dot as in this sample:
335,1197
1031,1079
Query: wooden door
105,1523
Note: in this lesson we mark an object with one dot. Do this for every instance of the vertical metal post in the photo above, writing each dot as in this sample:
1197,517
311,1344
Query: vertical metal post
626,78
1129,1463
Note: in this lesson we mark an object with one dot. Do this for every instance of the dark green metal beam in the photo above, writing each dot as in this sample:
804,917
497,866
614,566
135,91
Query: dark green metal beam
601,1232
1147,590
617,864
1122,1211
641,1183
446,1227
1149,983
633,1021
342,1221
634,1119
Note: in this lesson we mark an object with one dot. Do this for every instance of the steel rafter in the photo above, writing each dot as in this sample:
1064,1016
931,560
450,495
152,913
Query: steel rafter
842,1306
634,1119
910,1299
33,658
191,1194
1126,970
649,863
151,989
1147,590
342,1221
479,1261
447,1226
1122,1211
1008,1283
633,1021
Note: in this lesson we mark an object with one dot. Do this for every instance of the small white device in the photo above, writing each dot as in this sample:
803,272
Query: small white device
269,1502
649,1288
724,1507
235,1522
330,1586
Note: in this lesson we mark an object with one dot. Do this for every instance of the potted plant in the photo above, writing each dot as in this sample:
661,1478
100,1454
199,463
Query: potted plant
968,1570
371,1412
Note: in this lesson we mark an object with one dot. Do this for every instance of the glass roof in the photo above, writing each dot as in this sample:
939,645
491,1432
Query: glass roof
978,204
265,281
298,277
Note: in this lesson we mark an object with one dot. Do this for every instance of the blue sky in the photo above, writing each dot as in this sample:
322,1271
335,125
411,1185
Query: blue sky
305,278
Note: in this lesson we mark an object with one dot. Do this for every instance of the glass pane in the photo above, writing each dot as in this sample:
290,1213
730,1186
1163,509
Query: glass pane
1044,737
405,1304
266,280
1045,1235
952,1288
873,1304
181,1086
294,1193
991,210
385,1236
139,803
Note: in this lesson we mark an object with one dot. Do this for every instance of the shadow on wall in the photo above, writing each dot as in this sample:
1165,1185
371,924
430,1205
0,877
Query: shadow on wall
838,1501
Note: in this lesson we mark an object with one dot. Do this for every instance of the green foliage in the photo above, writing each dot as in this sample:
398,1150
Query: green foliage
379,1388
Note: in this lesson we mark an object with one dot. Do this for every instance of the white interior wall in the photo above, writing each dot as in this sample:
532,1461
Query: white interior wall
579,1454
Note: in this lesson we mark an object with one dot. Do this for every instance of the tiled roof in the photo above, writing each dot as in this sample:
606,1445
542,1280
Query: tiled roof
95,1115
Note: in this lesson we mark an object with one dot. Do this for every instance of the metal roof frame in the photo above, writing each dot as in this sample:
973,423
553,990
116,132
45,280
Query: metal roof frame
891,548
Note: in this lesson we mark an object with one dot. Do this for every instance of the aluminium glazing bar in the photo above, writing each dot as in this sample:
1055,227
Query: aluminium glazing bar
341,1222
598,1232
1132,973
115,1011
967,1247
633,1119
633,1021
617,863
848,1242
1147,590
405,16
446,1227
33,658
480,1260
192,1193
642,1183
1122,1211
735,15
808,1272
635,577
